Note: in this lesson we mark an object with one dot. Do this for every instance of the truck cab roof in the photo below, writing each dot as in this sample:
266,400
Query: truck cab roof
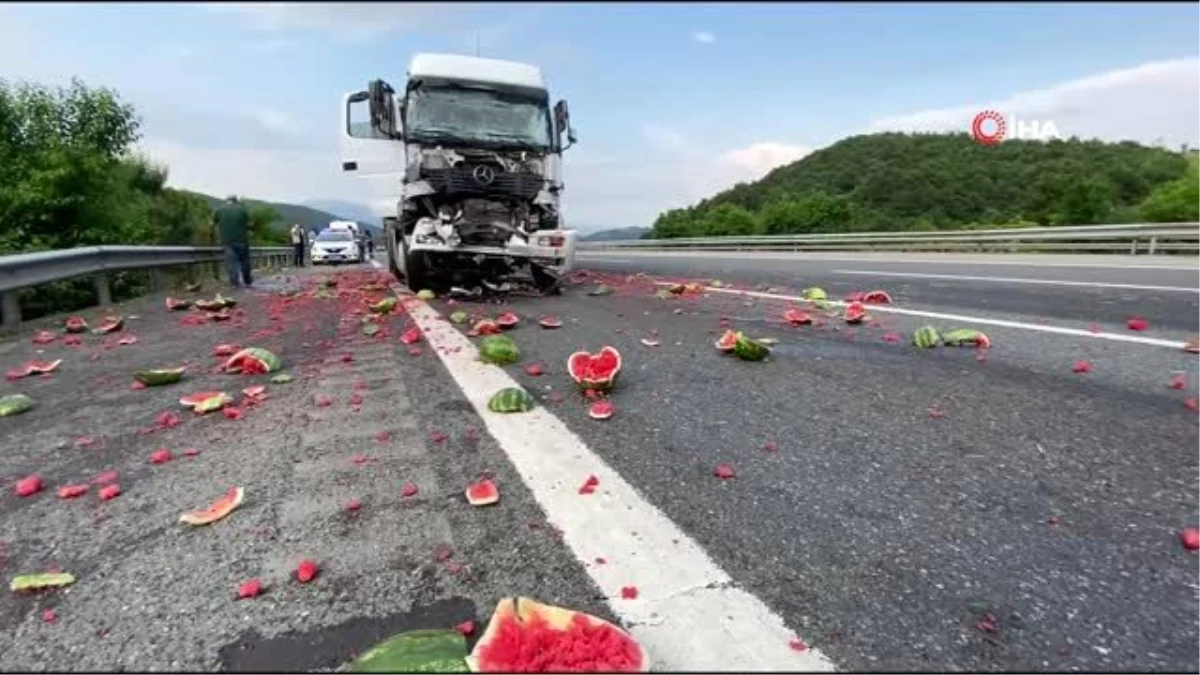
460,68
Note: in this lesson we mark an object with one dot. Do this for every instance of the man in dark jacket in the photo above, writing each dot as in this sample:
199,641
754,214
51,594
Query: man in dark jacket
232,221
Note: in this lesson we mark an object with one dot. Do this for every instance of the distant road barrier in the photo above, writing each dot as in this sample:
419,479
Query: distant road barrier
1145,238
26,270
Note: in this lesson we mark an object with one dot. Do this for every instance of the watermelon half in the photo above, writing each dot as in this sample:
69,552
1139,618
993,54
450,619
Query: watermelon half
525,636
193,400
482,493
111,324
155,378
75,324
597,372
252,361
508,320
215,511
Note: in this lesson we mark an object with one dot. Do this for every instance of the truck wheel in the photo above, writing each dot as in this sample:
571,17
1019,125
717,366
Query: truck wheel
416,271
392,237
544,281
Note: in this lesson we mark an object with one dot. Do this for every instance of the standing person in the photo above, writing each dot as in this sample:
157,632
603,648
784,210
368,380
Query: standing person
371,245
297,245
232,221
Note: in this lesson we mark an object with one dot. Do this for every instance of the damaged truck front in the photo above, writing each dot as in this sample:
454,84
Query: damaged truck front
466,170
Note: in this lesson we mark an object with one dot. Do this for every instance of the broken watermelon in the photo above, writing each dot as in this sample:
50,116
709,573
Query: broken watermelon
216,511
727,341
507,320
75,324
525,636
155,378
482,493
252,361
855,313
175,305
596,372
418,651
111,324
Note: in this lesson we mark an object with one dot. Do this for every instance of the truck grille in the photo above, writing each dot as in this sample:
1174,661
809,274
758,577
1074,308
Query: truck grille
461,180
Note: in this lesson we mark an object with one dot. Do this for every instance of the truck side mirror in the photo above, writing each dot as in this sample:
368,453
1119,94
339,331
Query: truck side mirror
382,107
562,117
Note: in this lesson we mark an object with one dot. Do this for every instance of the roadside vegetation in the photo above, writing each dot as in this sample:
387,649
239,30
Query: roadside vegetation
925,182
70,176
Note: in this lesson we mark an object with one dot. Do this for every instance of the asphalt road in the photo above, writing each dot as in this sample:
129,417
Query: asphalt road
898,509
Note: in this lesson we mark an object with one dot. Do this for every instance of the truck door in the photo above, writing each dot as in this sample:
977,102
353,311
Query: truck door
372,143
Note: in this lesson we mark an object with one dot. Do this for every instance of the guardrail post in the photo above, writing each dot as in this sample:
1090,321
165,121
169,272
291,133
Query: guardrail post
10,308
155,280
103,293
1153,245
1133,247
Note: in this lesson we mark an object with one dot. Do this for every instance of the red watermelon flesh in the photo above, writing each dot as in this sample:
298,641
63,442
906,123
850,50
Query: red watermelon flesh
601,410
482,493
508,320
543,639
595,371
193,400
727,341
855,312
877,298
550,322
796,317
226,349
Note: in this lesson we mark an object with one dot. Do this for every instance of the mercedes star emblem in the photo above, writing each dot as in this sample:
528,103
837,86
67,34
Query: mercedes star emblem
484,175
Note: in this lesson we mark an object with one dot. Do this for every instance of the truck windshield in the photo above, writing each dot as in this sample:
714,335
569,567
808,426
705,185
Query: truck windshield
476,117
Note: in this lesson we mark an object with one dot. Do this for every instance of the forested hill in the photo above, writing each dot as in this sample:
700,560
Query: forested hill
897,181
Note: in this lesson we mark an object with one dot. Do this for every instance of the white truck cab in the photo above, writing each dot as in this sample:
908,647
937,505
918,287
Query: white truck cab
465,166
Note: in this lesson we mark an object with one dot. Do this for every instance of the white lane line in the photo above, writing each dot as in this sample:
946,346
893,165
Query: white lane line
800,256
886,309
1014,280
688,614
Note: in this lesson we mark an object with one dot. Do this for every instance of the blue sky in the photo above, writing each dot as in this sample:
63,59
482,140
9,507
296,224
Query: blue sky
671,101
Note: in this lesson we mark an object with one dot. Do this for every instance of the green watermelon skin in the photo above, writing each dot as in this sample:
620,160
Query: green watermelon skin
926,337
418,651
156,378
510,400
499,350
14,404
271,362
749,350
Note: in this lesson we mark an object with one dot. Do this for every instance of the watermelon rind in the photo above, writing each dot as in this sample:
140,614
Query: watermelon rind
193,400
176,305
14,404
600,290
750,350
75,324
384,306
510,400
550,322
523,610
212,403
418,651
109,326
155,378
964,336
814,294
34,582
499,350
577,361
269,361
459,317
426,294
217,510
482,493
926,337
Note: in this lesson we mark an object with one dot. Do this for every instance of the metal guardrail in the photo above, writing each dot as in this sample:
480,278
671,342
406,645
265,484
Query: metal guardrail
1157,238
26,270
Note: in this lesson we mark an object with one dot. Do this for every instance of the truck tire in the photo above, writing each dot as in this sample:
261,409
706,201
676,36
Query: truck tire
391,238
416,271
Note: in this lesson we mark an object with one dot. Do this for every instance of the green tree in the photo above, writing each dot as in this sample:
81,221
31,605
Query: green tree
1175,202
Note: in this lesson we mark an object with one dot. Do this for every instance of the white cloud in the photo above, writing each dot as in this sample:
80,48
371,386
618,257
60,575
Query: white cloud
703,37
1151,103
760,158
